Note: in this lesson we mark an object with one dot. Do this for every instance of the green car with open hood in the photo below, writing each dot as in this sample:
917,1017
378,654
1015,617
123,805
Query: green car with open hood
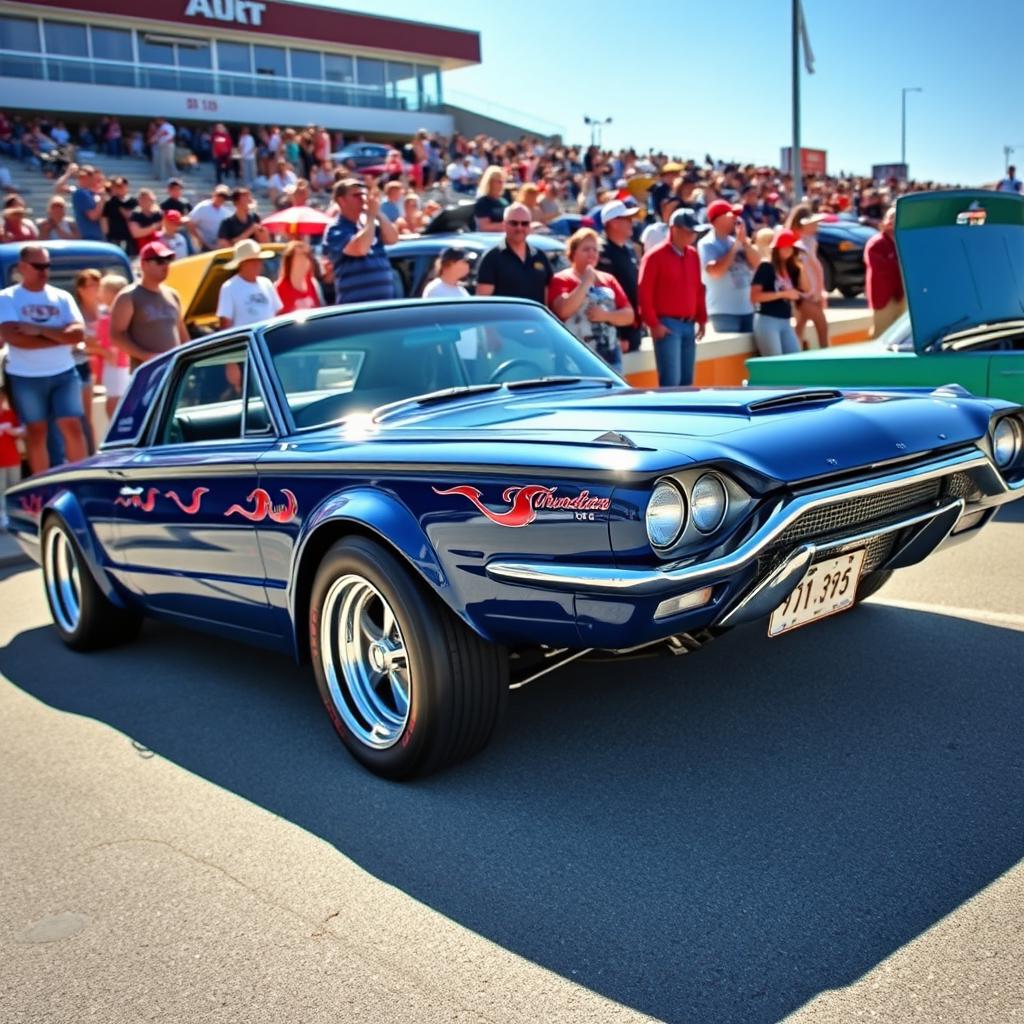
962,257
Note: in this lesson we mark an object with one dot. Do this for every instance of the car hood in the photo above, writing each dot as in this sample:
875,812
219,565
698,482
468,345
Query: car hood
783,434
962,256
844,231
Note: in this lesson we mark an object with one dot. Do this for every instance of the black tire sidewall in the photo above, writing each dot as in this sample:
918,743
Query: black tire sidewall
422,634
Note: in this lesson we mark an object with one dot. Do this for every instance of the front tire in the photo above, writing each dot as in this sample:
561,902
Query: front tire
85,619
408,686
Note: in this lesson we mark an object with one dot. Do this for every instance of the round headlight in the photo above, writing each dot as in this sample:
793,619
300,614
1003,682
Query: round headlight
708,503
666,514
1006,441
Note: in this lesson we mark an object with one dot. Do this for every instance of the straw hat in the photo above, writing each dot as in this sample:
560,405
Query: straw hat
247,249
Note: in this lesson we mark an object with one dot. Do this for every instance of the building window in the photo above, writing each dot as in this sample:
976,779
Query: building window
371,73
66,38
195,55
112,44
339,68
19,34
234,57
307,64
151,52
270,60
402,83
430,85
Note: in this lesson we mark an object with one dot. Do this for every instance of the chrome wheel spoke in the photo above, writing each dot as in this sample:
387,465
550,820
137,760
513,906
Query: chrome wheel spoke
63,581
365,661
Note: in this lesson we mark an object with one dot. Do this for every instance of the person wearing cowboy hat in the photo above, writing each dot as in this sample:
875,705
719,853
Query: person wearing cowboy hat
247,297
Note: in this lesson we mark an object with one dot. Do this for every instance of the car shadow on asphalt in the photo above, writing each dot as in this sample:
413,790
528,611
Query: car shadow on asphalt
713,838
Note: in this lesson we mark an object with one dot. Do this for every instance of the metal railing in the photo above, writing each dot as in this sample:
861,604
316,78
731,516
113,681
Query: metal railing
211,83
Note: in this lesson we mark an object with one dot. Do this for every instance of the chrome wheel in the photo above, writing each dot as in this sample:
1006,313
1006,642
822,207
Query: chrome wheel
364,659
63,583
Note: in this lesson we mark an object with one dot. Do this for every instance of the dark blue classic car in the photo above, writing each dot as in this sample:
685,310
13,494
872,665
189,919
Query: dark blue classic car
434,500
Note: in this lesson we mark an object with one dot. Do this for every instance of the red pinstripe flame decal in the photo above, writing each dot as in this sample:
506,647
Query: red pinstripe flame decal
32,503
263,507
137,501
193,506
522,512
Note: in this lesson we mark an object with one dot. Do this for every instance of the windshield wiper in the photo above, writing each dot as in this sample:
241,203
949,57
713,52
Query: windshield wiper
382,412
548,382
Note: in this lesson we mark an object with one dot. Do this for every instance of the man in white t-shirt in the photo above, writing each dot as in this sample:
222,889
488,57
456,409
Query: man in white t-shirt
41,325
206,218
163,149
247,156
247,298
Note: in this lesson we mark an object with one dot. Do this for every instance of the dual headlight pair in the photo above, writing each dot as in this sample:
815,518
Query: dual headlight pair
1007,441
668,511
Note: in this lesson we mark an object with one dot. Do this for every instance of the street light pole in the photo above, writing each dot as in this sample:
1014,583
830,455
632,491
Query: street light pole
903,129
795,163
596,124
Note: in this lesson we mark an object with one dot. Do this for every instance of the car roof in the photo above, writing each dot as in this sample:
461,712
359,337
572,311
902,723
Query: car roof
74,247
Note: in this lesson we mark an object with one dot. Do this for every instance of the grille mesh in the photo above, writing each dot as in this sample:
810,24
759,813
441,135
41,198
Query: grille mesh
819,524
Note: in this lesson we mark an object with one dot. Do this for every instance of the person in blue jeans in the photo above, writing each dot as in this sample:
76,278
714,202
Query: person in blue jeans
778,283
728,261
672,303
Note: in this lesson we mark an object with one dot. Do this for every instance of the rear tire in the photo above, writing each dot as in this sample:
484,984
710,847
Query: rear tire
850,292
409,687
85,619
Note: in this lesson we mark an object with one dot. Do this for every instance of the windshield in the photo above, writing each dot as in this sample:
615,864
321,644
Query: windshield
897,336
346,364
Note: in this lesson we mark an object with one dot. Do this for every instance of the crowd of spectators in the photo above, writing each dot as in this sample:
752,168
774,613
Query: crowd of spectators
656,244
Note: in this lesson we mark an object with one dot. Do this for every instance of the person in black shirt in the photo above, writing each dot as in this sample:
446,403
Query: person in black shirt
116,211
513,268
778,283
243,223
618,258
174,200
490,207
144,221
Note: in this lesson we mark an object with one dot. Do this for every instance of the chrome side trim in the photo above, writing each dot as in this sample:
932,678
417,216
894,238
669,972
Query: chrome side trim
646,581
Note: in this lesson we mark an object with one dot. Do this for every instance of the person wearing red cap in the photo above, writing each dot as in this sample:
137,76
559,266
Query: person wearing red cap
778,282
171,234
884,282
728,261
146,318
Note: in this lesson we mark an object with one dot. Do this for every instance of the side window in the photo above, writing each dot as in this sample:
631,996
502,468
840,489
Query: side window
207,401
257,419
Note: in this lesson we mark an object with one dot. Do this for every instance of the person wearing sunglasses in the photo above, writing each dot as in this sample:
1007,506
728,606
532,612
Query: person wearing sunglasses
41,326
146,317
513,267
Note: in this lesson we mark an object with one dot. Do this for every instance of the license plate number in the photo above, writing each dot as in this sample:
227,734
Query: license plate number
827,587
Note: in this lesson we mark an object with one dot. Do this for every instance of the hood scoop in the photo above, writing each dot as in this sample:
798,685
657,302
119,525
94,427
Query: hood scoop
613,437
794,400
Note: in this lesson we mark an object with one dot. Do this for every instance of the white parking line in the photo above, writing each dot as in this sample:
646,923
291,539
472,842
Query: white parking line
975,614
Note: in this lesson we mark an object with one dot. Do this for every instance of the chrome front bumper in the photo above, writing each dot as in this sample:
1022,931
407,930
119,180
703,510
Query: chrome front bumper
929,528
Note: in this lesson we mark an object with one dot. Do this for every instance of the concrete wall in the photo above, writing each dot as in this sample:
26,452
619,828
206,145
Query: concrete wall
470,123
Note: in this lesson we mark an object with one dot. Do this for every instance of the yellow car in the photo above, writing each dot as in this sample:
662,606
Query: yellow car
197,279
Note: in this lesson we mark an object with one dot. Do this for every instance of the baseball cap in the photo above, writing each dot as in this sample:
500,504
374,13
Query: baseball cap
175,181
617,208
455,252
785,239
684,218
720,207
222,190
671,167
155,249
172,216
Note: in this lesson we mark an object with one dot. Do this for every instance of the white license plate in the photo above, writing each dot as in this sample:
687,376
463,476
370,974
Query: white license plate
827,587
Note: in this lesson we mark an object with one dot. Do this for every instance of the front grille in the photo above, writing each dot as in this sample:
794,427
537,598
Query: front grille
856,514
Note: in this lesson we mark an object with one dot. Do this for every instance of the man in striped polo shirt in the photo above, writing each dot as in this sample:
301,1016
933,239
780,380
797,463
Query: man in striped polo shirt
355,245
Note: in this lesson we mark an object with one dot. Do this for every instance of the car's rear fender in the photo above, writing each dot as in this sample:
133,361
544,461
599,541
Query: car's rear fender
65,507
368,512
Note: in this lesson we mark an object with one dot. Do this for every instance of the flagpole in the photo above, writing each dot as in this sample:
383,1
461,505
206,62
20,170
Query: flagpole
795,163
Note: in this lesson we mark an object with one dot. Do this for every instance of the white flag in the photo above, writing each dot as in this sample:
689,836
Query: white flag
806,39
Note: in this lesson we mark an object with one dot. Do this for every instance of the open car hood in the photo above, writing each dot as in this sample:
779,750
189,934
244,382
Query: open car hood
962,256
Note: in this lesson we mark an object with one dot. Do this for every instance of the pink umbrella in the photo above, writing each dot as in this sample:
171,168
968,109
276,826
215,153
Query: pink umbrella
298,220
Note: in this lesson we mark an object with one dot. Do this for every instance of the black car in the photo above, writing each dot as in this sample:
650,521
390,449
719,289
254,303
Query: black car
841,251
413,259
363,154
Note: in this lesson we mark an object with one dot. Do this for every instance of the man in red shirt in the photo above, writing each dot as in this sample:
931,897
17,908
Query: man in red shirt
672,300
884,284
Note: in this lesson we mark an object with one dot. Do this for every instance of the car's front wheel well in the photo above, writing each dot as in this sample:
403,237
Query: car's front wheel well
313,554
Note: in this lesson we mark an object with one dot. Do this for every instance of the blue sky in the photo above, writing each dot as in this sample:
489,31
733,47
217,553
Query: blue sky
705,77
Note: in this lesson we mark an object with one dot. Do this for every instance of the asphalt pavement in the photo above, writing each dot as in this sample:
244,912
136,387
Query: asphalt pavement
823,827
